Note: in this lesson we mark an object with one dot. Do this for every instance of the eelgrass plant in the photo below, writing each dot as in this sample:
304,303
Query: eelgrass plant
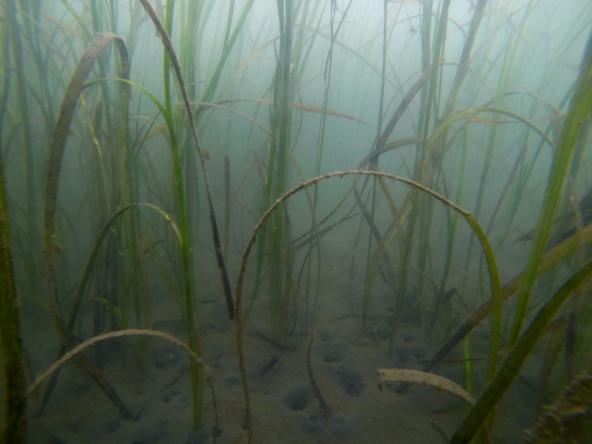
280,201
514,361
281,302
14,422
57,147
575,127
13,34
143,202
193,339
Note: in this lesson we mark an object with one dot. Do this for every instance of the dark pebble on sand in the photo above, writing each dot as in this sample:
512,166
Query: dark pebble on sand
168,395
349,380
111,425
402,355
410,354
420,354
314,424
156,433
165,356
135,412
54,438
335,426
340,426
408,337
200,436
267,366
298,398
331,351
232,380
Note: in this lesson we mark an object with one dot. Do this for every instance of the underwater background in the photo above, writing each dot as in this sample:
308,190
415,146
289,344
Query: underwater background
324,221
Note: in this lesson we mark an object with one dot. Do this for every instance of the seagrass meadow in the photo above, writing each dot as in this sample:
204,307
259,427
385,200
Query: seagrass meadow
295,221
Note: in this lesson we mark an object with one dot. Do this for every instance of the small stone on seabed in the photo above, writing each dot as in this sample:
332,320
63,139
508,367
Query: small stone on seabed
336,425
349,380
200,436
298,398
331,351
153,434
165,356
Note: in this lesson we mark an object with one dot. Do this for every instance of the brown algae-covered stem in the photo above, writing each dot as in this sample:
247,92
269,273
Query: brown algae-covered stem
313,382
166,41
56,153
60,136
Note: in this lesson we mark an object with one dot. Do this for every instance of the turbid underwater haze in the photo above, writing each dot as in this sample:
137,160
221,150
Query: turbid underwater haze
295,221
